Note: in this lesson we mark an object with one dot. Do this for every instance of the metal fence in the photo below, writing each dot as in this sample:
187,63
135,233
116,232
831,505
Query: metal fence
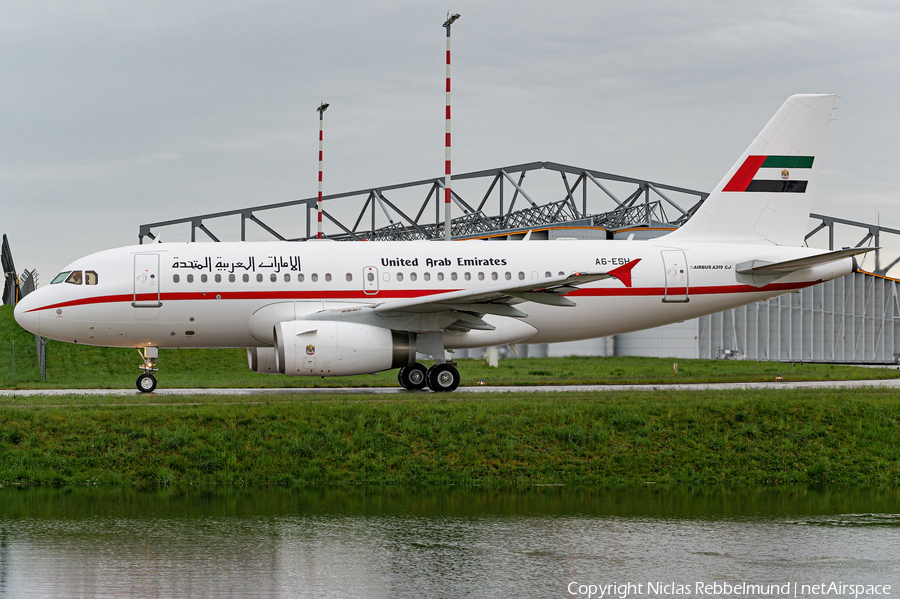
23,362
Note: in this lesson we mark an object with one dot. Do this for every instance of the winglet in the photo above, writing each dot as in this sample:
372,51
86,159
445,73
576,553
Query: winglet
623,273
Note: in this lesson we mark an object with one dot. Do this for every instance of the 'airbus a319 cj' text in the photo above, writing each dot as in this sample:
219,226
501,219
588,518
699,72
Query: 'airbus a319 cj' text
325,308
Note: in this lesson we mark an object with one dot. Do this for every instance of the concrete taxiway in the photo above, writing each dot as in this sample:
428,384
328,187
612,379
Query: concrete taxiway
882,383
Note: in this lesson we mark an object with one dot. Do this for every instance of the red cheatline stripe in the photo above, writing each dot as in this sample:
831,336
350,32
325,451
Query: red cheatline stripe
744,174
407,293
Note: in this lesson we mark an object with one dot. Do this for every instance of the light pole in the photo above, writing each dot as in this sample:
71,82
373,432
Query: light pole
447,193
321,110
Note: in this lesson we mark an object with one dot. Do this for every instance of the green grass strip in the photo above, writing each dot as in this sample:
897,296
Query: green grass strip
817,438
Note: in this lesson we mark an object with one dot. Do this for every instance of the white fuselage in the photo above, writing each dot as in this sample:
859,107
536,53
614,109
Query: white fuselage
178,295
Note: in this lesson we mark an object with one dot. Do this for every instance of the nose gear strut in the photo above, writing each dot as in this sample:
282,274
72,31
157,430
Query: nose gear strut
146,383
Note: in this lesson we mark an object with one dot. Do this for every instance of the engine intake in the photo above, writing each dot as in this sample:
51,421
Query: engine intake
329,348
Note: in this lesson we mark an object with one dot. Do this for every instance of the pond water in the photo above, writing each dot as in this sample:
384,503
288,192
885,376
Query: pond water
377,542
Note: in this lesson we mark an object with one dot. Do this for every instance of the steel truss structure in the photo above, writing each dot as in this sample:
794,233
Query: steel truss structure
490,212
873,233
500,207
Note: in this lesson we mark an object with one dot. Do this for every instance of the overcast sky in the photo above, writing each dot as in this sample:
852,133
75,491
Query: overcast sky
114,114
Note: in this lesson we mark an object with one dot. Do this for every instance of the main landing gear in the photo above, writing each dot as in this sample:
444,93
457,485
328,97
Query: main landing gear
438,378
441,377
146,383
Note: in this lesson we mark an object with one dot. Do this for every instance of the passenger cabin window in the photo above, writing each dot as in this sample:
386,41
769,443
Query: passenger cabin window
175,278
74,278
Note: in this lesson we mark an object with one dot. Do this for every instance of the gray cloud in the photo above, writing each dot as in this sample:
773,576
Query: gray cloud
117,114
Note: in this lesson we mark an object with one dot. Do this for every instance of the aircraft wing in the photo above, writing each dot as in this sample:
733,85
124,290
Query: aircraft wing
497,299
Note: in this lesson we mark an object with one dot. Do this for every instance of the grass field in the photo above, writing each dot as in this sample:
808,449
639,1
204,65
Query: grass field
830,437
81,366
817,438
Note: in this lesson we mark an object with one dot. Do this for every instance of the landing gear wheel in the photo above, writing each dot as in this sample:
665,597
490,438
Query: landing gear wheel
413,377
443,377
146,383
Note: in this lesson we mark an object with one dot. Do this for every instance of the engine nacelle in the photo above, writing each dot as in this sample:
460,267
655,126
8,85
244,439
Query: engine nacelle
328,348
262,360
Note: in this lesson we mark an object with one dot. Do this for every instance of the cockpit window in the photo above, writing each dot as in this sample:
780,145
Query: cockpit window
74,278
90,277
60,277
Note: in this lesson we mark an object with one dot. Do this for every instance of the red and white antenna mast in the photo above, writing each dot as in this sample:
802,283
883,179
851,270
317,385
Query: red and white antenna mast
447,193
321,110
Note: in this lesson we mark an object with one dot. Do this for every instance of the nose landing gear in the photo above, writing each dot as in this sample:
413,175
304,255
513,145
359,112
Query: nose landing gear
146,383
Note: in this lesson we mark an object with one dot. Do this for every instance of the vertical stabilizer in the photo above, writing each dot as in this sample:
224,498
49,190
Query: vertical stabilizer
767,195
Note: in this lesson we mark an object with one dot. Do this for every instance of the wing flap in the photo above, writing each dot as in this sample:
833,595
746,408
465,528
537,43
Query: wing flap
496,298
492,294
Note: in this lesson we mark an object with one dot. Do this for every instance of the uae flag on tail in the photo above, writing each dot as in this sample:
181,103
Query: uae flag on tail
771,174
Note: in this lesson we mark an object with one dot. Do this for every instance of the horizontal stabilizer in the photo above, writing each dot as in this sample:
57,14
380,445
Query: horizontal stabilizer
760,267
760,272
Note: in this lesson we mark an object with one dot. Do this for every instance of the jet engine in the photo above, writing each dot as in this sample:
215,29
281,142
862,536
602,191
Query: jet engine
262,360
330,348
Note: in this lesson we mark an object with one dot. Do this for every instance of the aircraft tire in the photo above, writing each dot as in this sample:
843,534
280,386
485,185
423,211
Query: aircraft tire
146,383
443,378
413,377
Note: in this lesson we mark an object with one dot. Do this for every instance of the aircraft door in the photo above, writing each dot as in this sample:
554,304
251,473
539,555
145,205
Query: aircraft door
676,276
370,280
146,281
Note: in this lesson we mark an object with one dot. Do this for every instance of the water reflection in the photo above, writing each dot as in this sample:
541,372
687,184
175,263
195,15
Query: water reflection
365,542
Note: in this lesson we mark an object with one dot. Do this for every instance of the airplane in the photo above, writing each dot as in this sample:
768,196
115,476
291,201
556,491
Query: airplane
326,308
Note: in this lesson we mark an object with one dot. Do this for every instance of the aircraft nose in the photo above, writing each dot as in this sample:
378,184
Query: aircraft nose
28,320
